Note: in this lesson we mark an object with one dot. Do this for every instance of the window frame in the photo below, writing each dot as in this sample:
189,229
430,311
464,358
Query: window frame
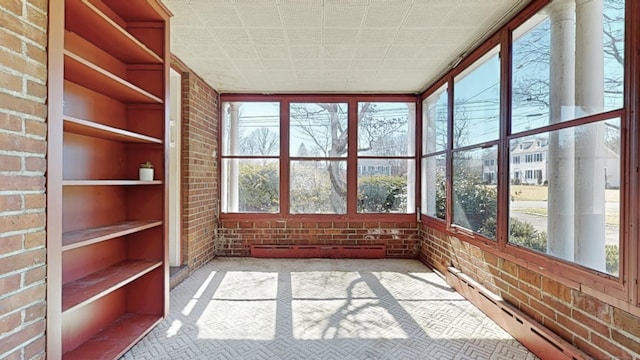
285,157
620,290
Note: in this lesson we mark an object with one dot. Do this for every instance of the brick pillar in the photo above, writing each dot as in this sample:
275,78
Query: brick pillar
23,128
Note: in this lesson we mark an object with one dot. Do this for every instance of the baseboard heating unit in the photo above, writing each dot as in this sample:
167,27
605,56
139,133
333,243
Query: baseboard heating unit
319,251
541,341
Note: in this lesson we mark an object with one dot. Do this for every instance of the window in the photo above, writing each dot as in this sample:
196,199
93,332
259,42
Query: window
318,145
434,144
386,143
476,110
291,155
250,157
562,141
577,216
575,197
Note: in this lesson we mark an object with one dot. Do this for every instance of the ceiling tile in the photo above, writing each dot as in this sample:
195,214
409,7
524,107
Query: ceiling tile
340,36
304,37
305,52
344,16
371,52
385,16
273,52
218,16
328,45
267,36
427,16
299,16
259,16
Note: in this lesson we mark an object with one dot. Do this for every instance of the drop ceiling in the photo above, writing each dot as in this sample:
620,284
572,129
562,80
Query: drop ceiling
329,46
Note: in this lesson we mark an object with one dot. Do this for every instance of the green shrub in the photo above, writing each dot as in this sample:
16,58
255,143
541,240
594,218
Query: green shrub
381,193
613,259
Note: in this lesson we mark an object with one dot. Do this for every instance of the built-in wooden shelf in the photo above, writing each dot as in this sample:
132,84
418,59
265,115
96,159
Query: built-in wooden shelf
107,34
89,128
108,182
100,283
116,339
84,237
91,76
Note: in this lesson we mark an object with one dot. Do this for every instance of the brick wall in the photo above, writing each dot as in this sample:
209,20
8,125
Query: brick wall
595,327
199,167
235,237
23,75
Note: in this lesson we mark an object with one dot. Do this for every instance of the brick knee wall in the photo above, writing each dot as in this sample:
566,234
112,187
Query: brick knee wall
199,135
23,129
235,237
595,327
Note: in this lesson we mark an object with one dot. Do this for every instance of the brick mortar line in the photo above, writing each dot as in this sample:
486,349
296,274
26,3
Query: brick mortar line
22,232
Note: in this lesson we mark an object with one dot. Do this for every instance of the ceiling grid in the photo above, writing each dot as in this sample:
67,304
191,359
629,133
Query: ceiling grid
328,46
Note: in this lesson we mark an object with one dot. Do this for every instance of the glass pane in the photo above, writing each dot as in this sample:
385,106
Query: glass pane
318,187
386,129
318,130
386,185
434,121
476,108
568,205
474,190
250,185
251,128
434,191
568,63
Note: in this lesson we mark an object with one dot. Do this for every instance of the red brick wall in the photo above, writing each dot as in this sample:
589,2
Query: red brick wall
236,236
199,167
595,327
23,128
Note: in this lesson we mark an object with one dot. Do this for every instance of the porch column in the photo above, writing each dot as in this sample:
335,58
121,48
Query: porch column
560,204
590,162
234,149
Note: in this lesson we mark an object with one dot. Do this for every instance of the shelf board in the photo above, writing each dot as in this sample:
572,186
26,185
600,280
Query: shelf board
83,17
108,182
84,237
85,73
89,128
116,339
100,283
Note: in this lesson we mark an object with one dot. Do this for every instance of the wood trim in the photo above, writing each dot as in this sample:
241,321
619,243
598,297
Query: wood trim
55,55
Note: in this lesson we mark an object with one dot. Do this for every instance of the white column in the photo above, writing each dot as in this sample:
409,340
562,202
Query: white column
234,147
411,149
560,219
429,145
590,163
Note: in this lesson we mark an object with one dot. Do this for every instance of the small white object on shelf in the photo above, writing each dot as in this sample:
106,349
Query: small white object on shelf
146,171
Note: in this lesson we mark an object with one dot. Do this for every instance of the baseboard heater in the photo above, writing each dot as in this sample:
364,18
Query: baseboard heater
319,251
541,341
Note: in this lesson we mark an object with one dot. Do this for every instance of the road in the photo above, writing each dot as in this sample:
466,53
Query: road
539,222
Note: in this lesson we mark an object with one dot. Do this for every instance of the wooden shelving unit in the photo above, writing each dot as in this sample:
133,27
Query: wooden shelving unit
107,256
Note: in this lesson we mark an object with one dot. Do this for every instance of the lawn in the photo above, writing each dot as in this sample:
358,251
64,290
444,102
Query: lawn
612,217
539,193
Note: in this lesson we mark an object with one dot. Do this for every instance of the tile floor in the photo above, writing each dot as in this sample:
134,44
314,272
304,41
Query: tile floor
246,308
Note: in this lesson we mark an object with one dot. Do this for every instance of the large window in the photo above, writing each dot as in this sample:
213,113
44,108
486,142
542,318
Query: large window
318,144
476,124
386,163
568,65
558,133
320,155
250,157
